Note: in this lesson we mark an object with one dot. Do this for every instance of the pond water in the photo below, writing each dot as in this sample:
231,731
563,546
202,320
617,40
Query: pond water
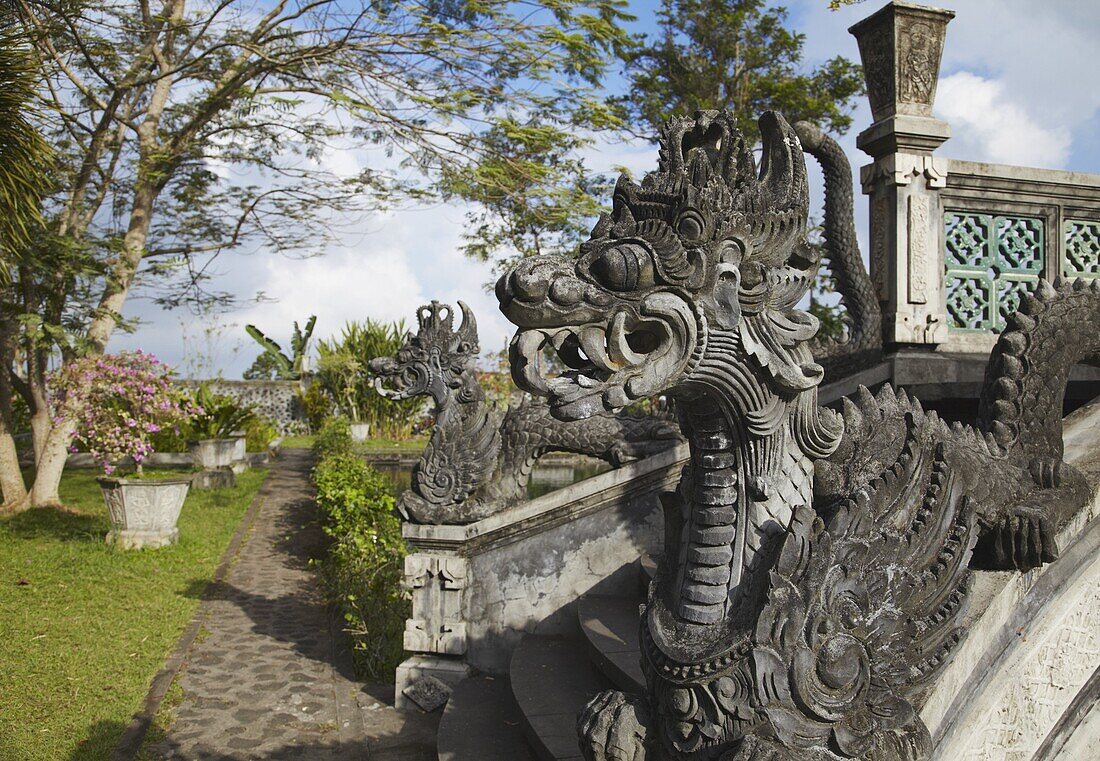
548,475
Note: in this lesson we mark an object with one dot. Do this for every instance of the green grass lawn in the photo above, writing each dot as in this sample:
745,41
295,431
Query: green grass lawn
415,444
85,627
297,442
401,446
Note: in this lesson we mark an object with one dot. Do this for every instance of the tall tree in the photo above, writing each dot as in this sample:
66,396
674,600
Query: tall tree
737,55
25,165
188,130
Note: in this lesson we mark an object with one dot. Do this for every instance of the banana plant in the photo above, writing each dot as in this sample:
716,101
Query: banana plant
291,367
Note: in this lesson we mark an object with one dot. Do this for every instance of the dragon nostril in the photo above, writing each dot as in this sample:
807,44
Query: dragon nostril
529,282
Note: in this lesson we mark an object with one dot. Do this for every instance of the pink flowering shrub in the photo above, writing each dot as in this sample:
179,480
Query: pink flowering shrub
118,402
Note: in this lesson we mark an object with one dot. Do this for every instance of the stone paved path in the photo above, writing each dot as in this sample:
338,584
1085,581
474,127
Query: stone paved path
269,678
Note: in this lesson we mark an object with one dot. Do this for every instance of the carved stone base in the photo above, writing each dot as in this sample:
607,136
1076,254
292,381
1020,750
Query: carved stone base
219,478
136,539
449,671
903,133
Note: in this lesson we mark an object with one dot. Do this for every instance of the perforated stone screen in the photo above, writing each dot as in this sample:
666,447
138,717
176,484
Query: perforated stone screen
1082,239
989,261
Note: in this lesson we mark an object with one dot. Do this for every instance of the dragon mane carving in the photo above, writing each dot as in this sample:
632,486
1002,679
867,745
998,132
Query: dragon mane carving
816,563
478,460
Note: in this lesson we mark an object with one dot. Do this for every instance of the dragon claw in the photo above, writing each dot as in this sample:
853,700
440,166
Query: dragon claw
612,727
1046,472
1022,540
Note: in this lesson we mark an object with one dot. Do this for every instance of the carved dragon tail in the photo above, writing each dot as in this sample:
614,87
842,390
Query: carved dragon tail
1025,381
842,247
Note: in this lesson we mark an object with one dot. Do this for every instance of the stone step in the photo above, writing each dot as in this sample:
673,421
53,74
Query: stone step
610,627
552,680
482,723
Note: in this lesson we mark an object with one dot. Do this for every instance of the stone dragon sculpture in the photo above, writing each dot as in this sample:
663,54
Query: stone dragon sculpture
478,460
816,563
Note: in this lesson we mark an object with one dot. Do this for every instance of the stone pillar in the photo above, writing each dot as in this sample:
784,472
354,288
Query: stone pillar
900,46
435,634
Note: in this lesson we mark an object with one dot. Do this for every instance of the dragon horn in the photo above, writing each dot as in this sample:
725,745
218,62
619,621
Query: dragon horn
782,167
468,332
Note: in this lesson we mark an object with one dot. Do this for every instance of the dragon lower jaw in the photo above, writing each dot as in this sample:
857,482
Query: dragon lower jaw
637,352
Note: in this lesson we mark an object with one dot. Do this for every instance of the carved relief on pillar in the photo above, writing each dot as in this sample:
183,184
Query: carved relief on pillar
436,624
900,47
877,54
880,245
921,257
901,169
905,247
919,49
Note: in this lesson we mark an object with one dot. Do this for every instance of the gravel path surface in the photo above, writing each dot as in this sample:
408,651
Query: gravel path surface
270,677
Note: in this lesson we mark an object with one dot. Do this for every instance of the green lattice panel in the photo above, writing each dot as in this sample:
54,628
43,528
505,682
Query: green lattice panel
967,237
1019,245
990,261
1009,292
970,301
1082,248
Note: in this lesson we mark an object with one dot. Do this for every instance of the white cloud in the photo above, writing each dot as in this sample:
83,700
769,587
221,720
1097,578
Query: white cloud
987,124
393,263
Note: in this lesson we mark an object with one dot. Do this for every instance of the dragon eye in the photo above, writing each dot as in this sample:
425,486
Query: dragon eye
624,267
690,225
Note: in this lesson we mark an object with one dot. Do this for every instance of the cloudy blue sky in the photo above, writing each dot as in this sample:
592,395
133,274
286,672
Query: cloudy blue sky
1018,86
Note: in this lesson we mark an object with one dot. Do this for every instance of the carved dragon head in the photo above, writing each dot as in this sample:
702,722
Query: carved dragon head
705,258
436,361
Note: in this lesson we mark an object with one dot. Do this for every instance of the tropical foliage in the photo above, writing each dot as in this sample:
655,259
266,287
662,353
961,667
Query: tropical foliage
25,156
186,130
273,363
364,567
342,368
221,416
737,55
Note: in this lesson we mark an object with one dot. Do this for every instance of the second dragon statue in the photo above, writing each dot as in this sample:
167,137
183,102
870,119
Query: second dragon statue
816,563
479,460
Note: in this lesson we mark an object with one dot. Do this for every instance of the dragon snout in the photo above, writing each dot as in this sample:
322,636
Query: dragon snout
545,291
528,281
382,365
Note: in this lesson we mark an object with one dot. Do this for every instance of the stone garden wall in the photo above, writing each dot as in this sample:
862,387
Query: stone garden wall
276,400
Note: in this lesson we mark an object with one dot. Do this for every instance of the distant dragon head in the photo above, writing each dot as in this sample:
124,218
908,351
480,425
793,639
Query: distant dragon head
705,258
437,361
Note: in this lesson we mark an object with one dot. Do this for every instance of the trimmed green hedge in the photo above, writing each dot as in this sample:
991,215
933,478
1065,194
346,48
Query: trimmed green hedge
365,564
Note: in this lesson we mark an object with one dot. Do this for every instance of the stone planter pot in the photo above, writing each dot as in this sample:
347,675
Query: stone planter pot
360,431
143,512
209,454
240,454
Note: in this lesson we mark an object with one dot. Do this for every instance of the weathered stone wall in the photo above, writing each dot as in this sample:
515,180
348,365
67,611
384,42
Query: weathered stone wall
276,400
478,588
1020,684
